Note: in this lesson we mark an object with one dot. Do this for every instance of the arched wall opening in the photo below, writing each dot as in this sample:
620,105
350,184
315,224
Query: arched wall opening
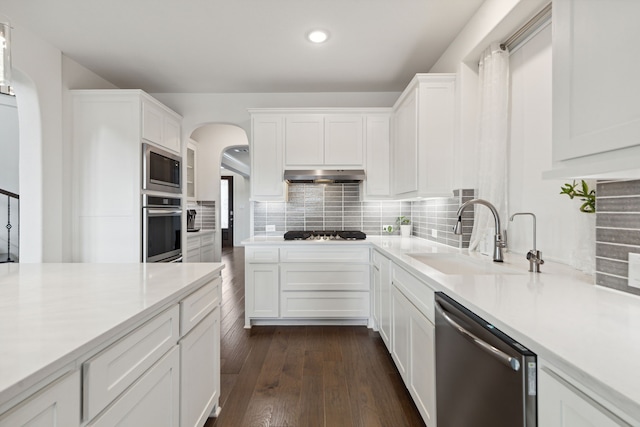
213,140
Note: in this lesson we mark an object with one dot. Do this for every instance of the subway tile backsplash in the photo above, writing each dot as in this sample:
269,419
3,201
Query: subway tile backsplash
617,232
338,207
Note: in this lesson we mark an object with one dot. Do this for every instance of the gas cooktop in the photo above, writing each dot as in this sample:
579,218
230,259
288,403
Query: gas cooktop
325,235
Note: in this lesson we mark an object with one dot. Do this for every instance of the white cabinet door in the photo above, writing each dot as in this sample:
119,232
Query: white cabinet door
422,365
595,96
267,158
304,140
400,337
207,253
405,146
58,404
562,405
262,290
153,400
171,133
343,140
378,170
199,371
152,122
193,248
385,301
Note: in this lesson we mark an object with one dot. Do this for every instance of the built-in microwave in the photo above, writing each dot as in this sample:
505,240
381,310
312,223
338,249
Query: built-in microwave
160,170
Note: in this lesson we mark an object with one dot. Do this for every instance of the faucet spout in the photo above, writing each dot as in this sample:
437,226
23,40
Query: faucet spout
498,242
534,256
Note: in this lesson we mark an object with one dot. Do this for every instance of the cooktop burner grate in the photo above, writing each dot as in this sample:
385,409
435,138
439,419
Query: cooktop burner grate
324,235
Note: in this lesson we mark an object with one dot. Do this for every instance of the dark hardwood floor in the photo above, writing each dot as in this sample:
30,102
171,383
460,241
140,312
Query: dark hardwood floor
330,376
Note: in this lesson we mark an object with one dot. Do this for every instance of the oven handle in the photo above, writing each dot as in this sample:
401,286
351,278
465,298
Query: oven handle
503,357
163,212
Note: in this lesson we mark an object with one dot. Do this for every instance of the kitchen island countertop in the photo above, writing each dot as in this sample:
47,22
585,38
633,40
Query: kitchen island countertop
52,314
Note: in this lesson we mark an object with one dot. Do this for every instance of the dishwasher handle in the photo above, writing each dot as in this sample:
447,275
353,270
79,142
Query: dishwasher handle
503,357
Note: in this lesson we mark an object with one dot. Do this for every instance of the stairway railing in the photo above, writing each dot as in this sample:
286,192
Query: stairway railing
9,226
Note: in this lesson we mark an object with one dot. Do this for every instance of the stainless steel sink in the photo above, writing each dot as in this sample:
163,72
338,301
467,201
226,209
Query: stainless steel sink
456,264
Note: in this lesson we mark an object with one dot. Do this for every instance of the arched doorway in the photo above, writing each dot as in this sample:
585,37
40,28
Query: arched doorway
212,142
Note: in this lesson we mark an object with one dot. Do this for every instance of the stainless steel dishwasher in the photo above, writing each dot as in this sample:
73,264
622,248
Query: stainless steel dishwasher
483,377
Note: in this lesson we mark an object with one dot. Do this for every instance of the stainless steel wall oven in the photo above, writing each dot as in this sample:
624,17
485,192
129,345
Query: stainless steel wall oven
161,170
161,229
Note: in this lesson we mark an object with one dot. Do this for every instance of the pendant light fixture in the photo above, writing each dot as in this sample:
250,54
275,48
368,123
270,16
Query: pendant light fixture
5,54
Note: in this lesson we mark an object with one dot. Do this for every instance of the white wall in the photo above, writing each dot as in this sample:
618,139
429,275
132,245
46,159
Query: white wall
41,77
560,224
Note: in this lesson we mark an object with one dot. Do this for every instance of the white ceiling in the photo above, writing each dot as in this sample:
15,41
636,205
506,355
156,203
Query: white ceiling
248,45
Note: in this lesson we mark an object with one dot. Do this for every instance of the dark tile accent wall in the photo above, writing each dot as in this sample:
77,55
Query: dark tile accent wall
206,214
617,232
338,207
440,215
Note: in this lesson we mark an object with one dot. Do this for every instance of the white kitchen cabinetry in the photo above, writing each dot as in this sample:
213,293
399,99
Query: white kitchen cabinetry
378,166
262,283
160,125
562,404
152,400
192,156
324,140
58,404
307,281
107,173
200,246
381,296
304,140
596,114
413,340
267,154
423,137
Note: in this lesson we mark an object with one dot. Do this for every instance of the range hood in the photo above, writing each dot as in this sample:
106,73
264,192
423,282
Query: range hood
324,176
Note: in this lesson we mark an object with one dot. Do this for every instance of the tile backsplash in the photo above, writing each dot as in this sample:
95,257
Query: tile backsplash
206,214
617,232
338,207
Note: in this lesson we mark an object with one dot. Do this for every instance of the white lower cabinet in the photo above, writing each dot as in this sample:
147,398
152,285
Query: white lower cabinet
262,290
58,404
381,296
200,247
153,400
200,371
561,404
413,340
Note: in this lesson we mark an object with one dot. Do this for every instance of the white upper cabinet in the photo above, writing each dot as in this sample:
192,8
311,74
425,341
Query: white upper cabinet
324,140
343,143
160,125
304,140
377,141
596,114
192,189
423,137
266,152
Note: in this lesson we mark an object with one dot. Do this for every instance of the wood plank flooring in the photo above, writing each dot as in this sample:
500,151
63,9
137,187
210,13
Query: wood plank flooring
300,376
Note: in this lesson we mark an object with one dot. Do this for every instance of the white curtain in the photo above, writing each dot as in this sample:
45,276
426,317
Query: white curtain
492,147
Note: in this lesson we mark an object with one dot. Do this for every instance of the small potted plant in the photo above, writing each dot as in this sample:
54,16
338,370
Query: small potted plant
405,226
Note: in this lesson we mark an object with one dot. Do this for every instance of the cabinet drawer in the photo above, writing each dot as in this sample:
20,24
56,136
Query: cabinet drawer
110,372
420,294
335,253
152,401
258,255
196,306
322,305
193,243
324,277
206,239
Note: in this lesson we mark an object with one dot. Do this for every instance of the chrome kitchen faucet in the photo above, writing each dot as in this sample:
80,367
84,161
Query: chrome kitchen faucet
534,256
498,242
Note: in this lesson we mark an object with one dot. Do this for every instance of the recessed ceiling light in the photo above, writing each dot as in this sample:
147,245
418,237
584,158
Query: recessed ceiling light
318,36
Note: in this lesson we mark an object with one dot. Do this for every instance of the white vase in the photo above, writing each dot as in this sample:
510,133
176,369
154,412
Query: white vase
405,230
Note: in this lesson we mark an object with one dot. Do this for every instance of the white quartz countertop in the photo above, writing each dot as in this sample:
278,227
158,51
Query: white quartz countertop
279,241
50,314
590,332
